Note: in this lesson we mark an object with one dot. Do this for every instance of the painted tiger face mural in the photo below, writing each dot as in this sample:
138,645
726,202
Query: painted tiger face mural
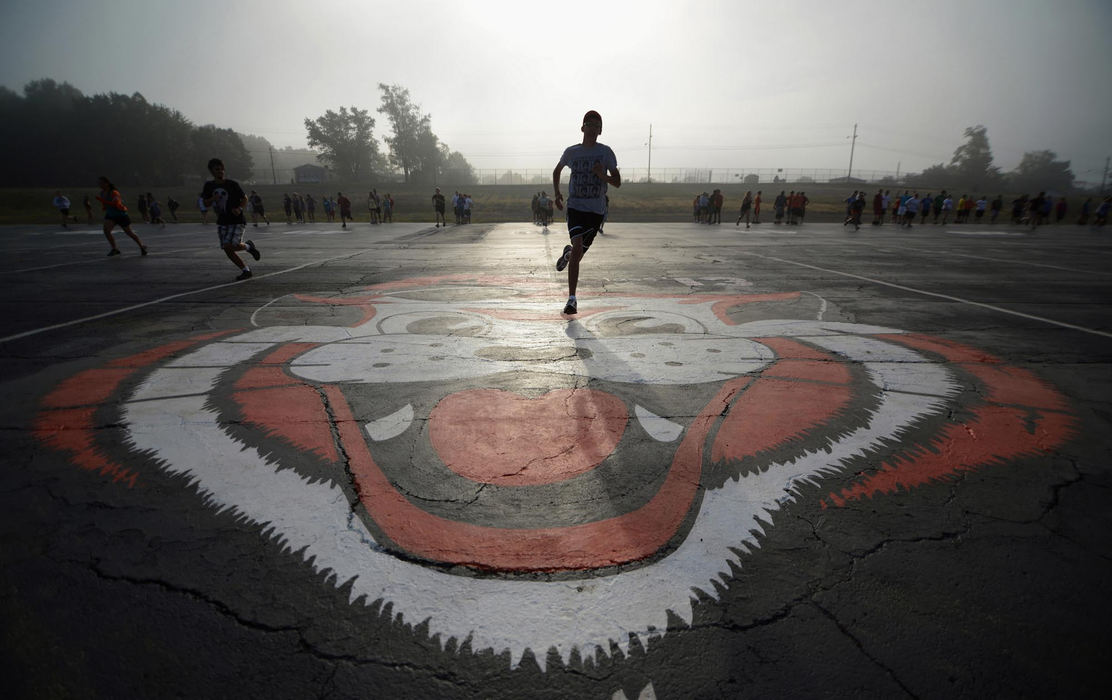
526,482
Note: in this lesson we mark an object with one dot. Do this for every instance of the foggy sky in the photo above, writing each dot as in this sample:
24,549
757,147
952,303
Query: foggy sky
724,84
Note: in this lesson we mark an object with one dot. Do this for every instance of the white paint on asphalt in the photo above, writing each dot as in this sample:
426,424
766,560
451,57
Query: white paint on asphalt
938,295
177,425
179,295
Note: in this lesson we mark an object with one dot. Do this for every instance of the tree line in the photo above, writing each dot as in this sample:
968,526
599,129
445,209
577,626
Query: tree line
56,136
971,167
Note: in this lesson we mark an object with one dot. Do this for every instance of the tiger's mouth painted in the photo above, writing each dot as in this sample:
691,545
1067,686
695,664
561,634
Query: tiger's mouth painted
513,447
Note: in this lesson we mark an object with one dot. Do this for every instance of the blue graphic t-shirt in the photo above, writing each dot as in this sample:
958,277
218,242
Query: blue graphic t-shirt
586,191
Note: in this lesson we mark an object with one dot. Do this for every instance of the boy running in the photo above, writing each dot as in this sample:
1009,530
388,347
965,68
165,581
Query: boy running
593,167
62,204
115,214
229,200
257,208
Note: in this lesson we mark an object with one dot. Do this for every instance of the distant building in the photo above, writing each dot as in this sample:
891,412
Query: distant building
309,173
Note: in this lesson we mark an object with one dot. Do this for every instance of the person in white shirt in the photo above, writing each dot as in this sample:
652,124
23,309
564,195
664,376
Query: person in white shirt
62,204
593,167
981,205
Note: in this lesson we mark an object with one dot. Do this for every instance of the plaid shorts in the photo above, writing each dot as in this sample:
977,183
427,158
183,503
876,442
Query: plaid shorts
230,234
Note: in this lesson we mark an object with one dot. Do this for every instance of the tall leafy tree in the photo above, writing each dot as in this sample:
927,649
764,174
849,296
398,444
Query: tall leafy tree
972,161
414,148
455,167
1042,171
345,141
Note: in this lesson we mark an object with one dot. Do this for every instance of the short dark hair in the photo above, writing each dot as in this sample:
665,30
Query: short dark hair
592,115
214,162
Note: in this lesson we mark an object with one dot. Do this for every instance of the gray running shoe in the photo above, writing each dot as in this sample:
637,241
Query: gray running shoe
562,262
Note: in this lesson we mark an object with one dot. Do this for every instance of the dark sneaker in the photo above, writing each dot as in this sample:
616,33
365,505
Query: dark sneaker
253,250
114,251
562,262
142,250
246,274
570,309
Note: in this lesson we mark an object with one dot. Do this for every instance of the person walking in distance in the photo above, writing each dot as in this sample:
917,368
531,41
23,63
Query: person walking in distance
115,214
716,202
229,200
746,205
62,204
203,209
438,206
155,211
757,208
257,209
593,167
345,209
778,206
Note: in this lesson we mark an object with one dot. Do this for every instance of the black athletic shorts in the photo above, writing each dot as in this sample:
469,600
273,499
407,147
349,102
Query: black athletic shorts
582,223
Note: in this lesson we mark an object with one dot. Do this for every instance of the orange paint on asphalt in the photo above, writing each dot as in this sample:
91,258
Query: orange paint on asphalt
619,540
478,434
68,422
1021,416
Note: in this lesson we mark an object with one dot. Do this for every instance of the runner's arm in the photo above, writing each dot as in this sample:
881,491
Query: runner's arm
559,199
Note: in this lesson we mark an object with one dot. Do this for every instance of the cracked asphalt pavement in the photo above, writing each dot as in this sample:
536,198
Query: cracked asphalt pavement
787,462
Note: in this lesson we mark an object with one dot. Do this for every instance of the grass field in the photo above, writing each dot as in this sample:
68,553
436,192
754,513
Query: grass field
662,202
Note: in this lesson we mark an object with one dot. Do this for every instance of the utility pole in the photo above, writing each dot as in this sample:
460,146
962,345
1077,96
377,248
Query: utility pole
852,145
273,174
650,177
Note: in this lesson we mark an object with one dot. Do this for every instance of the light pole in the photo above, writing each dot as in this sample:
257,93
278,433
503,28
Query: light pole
650,144
852,145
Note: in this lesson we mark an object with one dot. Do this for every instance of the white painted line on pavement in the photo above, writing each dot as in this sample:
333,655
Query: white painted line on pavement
1003,260
948,297
171,297
87,261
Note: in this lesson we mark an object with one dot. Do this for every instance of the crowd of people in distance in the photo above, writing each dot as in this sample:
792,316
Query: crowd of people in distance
461,207
149,209
707,208
791,208
1024,211
542,208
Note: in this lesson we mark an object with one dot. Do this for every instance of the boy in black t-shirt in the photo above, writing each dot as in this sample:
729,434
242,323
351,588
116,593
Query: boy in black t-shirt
229,199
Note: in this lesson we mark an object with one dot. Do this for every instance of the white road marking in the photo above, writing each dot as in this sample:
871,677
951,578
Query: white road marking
88,261
937,295
117,312
1027,263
